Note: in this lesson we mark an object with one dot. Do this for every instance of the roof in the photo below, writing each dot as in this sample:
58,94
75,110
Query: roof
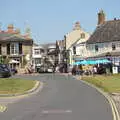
107,32
4,36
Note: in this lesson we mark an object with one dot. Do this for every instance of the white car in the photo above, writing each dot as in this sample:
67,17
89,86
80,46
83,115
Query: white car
50,70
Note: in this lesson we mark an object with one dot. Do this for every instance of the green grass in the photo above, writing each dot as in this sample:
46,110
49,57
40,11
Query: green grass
109,83
15,85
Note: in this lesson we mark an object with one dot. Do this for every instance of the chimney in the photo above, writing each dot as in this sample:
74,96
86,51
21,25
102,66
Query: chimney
101,17
77,26
10,28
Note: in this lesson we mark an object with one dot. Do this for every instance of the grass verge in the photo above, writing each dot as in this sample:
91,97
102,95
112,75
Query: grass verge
15,85
109,83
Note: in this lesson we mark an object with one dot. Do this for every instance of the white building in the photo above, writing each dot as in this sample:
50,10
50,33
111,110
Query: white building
44,54
76,43
105,41
37,55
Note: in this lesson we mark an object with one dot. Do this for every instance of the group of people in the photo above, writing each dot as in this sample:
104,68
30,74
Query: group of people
96,69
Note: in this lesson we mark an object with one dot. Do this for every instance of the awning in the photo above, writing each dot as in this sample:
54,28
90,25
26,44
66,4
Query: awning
91,62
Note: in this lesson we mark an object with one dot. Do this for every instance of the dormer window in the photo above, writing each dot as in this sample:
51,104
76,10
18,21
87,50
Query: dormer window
82,35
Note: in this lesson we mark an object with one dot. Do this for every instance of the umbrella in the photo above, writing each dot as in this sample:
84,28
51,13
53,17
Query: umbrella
91,62
85,62
77,63
88,62
102,61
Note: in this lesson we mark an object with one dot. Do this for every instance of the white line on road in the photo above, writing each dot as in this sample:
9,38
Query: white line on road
56,111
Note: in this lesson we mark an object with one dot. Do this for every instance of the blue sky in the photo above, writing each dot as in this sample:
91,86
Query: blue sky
50,20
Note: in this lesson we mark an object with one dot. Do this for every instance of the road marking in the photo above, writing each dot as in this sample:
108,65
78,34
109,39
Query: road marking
110,100
56,111
3,108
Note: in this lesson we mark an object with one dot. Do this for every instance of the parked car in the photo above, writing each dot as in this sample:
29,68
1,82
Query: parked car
42,69
45,69
5,70
50,70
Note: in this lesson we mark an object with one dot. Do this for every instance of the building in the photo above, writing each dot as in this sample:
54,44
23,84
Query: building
60,47
74,35
78,51
76,44
15,49
37,55
105,41
44,55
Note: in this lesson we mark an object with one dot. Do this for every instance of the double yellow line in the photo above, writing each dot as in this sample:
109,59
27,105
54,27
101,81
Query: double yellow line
115,113
114,108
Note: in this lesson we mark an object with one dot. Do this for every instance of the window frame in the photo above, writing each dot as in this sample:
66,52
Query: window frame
14,48
113,46
82,35
96,48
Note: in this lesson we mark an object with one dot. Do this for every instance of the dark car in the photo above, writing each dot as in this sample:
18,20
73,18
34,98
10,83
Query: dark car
5,70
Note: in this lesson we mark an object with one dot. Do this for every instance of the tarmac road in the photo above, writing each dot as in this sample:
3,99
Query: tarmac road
62,98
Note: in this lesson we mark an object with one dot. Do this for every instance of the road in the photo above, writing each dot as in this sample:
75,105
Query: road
62,98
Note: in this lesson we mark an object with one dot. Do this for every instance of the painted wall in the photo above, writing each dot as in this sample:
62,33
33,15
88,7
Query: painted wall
73,36
102,48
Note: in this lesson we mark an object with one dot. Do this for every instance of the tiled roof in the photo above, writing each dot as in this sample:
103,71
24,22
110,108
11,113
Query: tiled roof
4,36
9,36
107,32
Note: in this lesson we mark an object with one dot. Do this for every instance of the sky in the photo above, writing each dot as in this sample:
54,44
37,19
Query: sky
50,20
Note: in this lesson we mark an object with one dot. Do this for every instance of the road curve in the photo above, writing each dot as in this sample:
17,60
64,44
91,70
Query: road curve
62,98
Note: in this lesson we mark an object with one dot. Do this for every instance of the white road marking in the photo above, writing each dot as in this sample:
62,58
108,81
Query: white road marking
56,111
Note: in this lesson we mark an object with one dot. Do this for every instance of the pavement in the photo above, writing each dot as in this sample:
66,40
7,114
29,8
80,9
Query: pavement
62,98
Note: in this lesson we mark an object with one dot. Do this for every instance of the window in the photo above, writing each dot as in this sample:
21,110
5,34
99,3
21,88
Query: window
83,35
37,51
14,48
118,44
96,48
113,47
37,61
42,51
74,50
